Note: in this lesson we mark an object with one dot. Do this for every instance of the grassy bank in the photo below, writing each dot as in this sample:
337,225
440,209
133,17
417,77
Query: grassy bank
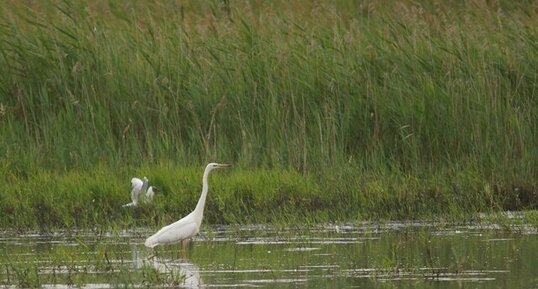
381,109
82,199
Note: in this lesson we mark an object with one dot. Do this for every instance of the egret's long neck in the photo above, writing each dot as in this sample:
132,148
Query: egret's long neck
199,210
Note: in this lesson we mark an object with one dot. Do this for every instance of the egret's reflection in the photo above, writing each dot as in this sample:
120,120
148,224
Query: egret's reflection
187,272
183,267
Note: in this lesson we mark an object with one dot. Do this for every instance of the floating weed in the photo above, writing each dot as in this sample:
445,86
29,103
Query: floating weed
26,277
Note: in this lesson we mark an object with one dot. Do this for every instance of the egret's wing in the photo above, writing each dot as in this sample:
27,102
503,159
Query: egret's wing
136,184
145,183
136,188
149,195
180,230
178,233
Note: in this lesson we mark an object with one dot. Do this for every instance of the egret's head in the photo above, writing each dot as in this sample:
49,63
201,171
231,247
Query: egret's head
155,189
212,166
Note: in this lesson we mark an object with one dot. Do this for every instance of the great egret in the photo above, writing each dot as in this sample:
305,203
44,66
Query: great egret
189,225
137,187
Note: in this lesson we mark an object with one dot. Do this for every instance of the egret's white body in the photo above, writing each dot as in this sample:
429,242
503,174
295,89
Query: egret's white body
137,187
190,224
149,194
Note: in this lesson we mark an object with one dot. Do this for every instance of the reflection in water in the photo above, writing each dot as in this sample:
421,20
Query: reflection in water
182,267
187,272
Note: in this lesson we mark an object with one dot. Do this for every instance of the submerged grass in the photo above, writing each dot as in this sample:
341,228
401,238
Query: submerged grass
346,109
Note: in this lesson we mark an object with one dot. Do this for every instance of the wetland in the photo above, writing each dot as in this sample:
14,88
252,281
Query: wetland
365,255
340,118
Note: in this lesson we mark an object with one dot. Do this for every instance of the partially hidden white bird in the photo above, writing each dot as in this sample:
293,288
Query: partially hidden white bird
137,187
190,224
149,194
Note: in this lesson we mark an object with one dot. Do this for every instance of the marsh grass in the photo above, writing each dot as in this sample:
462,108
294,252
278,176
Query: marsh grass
372,109
94,199
68,268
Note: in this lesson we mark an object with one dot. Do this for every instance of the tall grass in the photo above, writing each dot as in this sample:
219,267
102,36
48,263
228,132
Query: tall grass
335,90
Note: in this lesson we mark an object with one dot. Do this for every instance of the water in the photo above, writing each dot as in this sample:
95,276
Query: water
402,255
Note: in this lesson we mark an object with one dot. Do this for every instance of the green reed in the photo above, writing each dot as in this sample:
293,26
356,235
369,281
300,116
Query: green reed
411,102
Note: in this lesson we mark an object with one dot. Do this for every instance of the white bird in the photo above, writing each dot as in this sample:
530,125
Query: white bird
149,194
189,225
137,187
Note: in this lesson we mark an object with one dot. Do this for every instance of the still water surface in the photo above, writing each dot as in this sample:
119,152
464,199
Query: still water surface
368,255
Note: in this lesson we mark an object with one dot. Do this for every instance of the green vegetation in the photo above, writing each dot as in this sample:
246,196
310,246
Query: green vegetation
329,110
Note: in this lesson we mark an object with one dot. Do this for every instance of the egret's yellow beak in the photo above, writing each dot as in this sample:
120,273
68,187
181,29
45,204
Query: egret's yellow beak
223,166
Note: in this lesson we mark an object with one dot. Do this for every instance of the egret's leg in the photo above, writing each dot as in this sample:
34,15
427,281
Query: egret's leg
153,254
184,249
